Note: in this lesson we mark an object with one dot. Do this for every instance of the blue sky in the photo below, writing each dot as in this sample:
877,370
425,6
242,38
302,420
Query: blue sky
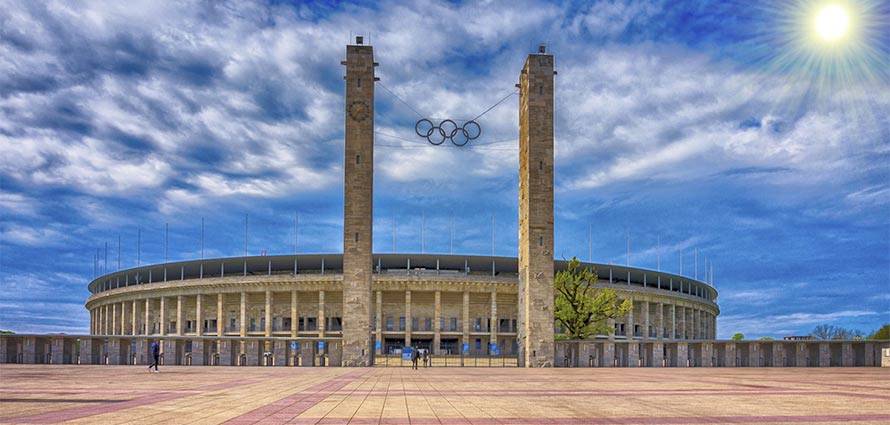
719,127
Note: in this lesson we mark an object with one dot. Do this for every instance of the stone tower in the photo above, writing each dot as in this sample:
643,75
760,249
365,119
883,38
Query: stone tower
358,208
535,294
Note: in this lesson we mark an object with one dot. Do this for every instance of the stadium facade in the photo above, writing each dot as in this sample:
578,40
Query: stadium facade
452,305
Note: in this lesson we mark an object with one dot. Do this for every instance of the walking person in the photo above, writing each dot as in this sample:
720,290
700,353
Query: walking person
426,357
414,356
156,354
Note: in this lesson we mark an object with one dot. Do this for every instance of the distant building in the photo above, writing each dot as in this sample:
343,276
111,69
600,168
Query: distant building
798,338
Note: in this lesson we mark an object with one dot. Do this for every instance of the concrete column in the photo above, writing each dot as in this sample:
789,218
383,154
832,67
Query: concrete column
659,323
268,314
696,325
114,318
162,328
294,314
714,326
493,325
682,354
100,327
123,326
824,354
198,350
179,315
408,318
378,331
242,327
672,325
466,318
629,324
437,323
114,351
701,325
682,322
199,315
609,354
801,354
133,322
611,324
710,326
658,353
220,324
148,316
321,317
645,313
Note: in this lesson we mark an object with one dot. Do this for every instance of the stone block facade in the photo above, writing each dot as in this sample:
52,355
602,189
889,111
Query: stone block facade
535,292
358,204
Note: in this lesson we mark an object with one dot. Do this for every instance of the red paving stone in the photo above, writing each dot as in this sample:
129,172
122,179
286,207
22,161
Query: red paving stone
446,396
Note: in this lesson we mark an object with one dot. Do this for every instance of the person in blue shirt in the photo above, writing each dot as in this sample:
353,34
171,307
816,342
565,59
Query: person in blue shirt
156,354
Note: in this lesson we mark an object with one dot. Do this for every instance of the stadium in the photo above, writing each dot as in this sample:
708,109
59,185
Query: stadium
452,305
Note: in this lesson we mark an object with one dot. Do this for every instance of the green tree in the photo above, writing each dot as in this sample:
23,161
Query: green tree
881,334
582,309
766,338
738,336
6,332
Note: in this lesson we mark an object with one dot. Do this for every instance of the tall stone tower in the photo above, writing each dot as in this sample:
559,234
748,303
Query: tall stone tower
358,206
535,331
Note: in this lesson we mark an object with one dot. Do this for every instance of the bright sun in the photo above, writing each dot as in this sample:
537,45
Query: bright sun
832,22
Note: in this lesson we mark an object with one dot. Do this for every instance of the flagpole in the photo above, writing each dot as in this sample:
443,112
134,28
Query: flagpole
492,235
451,244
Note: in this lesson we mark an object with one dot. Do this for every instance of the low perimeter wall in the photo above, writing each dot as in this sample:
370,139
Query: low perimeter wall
326,352
722,353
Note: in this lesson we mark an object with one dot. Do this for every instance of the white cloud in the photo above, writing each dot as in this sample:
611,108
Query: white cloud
13,203
17,234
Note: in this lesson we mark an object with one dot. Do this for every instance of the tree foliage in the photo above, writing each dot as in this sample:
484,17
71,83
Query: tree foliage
738,336
881,334
581,308
831,332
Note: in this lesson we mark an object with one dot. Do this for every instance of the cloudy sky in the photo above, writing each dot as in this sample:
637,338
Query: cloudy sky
730,129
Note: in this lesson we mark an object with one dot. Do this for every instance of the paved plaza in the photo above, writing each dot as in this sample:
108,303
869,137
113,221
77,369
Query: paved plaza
199,395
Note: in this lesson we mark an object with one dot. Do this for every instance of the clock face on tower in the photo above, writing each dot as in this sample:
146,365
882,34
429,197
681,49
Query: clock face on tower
359,110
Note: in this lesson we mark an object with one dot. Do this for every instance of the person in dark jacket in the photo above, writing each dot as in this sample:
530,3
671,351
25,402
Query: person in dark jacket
414,356
156,354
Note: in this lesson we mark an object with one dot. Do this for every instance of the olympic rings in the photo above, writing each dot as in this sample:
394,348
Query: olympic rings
448,130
